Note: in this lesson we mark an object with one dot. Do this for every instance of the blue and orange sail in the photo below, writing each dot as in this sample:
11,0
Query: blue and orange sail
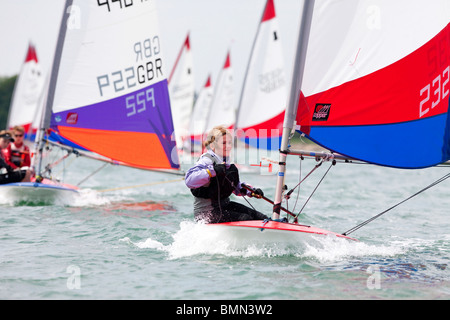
140,138
110,95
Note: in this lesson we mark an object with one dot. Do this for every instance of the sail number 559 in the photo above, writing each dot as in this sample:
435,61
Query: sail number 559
437,91
138,102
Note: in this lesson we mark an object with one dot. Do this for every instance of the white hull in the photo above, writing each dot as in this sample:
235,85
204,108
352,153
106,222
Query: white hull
257,232
38,193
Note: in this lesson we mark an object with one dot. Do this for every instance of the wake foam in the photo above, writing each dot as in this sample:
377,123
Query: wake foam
198,239
332,249
26,197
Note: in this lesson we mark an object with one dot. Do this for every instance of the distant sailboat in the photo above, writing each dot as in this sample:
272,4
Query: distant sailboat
27,93
223,108
197,125
108,91
370,83
263,98
181,89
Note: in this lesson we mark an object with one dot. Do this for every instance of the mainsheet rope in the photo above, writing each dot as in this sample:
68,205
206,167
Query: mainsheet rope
394,206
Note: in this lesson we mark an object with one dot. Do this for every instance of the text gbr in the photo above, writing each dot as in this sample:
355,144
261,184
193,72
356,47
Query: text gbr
150,68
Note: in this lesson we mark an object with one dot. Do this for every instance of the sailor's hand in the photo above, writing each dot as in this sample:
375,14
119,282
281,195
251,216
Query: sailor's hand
220,170
257,193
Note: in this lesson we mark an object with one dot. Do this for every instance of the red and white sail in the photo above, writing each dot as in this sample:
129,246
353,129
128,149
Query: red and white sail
371,82
197,126
181,90
264,93
376,81
223,108
27,93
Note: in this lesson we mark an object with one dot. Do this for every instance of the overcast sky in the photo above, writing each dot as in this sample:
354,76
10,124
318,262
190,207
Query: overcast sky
214,26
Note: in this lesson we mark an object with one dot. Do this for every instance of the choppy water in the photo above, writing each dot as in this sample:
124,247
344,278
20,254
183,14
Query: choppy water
141,242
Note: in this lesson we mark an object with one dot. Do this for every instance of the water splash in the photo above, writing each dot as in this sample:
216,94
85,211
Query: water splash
147,244
198,239
85,197
332,249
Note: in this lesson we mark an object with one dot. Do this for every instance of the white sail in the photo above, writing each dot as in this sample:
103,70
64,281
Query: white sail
27,93
98,75
197,126
263,97
39,113
223,108
181,89
365,36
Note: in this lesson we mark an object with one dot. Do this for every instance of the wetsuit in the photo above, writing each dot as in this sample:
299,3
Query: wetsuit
212,192
8,174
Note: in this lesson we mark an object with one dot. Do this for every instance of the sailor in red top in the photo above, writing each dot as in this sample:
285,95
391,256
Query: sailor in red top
18,154
7,173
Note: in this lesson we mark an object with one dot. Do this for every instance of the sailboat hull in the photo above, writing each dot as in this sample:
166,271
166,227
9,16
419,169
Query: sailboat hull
272,231
34,192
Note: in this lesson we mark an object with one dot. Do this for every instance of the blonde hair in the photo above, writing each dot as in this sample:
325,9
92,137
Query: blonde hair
19,128
215,134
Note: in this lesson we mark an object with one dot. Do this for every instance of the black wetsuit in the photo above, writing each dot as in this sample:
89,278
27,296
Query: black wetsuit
213,203
11,175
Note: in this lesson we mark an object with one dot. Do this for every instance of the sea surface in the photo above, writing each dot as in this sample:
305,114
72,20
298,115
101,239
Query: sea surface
130,234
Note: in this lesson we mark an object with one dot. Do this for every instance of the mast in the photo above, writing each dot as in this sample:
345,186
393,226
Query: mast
294,95
45,122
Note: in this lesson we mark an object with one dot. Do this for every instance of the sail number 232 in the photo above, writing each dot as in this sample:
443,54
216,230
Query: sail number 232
436,91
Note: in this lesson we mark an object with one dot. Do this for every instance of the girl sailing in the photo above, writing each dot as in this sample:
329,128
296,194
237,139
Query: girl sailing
213,179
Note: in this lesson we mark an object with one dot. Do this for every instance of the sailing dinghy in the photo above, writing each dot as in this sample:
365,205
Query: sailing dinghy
370,83
108,92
